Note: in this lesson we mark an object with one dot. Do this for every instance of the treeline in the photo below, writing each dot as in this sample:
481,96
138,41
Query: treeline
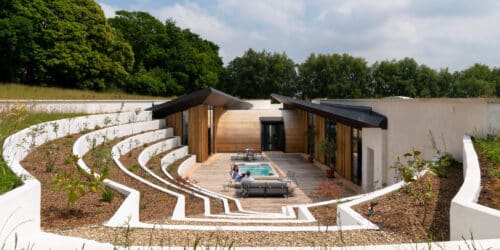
258,74
71,44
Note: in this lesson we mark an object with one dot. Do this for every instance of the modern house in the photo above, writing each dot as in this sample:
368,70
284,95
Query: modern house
367,134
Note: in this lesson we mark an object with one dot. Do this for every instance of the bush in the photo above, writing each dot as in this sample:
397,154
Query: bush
107,195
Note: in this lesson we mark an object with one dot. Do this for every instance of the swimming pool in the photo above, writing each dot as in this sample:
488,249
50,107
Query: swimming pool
262,169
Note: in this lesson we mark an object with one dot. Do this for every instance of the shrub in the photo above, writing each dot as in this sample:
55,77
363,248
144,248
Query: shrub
107,195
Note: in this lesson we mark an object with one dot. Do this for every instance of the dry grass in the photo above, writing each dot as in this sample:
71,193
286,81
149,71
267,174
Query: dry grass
27,92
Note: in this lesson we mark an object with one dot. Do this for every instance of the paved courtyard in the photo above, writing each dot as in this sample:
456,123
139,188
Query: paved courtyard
214,175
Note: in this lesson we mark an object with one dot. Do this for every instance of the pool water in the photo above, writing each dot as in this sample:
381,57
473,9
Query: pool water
257,169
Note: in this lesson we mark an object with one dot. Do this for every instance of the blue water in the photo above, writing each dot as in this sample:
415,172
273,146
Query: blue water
256,169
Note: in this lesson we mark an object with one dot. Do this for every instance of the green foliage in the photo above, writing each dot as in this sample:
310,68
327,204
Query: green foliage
259,74
134,167
107,195
15,119
169,60
327,147
415,164
440,167
65,43
490,148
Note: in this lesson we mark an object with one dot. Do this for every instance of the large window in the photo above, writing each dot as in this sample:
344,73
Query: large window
310,133
356,156
185,119
331,135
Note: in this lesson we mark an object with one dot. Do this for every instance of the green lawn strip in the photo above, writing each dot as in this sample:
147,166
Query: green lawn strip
27,92
12,122
490,147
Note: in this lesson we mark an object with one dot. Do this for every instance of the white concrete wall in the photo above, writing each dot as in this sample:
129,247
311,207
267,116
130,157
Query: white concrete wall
20,207
494,117
467,217
409,123
373,139
80,106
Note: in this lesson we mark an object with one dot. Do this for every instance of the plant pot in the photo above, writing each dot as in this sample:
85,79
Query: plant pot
330,173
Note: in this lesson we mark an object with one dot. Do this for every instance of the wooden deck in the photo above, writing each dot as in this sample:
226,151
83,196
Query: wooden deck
214,175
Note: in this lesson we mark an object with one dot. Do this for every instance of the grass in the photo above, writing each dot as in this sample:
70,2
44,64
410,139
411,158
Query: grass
18,118
28,92
491,149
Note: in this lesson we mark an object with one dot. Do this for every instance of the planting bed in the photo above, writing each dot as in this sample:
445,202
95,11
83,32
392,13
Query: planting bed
326,215
399,214
89,209
490,174
154,204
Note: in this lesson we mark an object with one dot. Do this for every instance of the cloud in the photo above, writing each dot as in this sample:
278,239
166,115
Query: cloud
109,11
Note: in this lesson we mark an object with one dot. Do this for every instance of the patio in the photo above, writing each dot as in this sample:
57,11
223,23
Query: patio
214,175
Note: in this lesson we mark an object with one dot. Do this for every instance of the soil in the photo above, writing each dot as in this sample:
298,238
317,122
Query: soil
89,209
398,213
490,192
325,215
153,204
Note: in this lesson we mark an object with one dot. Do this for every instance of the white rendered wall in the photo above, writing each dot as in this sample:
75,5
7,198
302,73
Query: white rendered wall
409,123
494,117
373,139
466,215
20,207
80,106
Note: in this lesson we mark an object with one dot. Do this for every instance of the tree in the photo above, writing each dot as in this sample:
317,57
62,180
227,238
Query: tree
181,60
69,43
259,74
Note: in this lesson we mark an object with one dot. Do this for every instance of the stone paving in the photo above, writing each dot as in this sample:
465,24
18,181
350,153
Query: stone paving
214,175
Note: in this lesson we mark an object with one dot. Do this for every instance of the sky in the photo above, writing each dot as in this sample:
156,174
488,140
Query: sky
452,34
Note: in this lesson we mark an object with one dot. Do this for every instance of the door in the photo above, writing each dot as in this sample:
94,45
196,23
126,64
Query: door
272,136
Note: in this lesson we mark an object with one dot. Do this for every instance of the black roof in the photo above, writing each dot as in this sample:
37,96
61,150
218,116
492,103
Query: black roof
354,116
209,96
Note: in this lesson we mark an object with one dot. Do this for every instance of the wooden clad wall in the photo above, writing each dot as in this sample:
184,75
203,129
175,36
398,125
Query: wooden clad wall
295,122
239,129
198,132
174,121
343,162
319,128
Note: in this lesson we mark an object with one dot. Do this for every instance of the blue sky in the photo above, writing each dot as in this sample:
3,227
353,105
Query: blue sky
439,33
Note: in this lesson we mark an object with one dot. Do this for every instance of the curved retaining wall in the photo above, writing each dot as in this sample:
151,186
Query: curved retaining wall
20,207
129,210
467,217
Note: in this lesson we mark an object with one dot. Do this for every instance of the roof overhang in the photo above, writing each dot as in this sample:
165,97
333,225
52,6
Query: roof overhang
354,116
208,96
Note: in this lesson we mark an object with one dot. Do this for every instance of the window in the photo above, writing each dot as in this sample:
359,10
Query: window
356,156
185,120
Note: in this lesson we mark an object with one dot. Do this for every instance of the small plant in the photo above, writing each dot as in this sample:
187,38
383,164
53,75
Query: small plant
52,153
415,164
71,185
107,195
134,167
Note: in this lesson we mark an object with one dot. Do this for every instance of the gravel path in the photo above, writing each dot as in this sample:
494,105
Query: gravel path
149,237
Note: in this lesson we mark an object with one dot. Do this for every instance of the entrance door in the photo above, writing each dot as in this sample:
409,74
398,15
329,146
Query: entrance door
272,136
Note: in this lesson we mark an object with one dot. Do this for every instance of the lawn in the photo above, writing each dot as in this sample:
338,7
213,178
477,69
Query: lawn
18,118
27,92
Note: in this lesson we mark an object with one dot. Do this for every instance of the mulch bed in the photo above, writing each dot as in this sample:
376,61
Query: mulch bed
490,192
325,215
89,209
398,213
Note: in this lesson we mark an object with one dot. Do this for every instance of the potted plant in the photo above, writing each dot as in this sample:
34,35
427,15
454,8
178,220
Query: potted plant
310,133
327,148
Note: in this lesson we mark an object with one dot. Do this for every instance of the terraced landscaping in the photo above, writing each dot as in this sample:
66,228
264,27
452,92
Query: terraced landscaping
399,218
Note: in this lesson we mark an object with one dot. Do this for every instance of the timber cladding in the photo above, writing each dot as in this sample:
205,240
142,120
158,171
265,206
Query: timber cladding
295,122
198,132
174,121
236,130
319,129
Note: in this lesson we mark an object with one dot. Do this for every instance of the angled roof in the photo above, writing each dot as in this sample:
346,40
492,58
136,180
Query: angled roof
355,116
208,96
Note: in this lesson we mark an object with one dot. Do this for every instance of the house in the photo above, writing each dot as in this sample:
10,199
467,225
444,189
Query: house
368,134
